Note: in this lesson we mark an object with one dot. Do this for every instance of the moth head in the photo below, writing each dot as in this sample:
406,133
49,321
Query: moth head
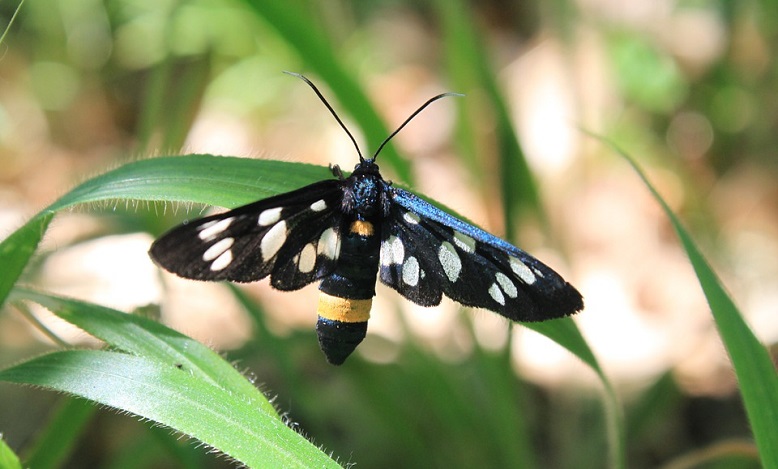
366,168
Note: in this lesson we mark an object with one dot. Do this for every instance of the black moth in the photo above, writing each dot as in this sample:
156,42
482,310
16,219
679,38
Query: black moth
347,230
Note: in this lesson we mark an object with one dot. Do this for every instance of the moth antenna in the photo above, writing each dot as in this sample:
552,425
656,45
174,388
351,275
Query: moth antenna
332,111
415,113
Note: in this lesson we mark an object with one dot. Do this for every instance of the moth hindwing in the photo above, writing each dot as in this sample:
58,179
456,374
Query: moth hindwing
348,231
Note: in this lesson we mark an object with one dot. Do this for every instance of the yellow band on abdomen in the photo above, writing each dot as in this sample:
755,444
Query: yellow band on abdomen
343,309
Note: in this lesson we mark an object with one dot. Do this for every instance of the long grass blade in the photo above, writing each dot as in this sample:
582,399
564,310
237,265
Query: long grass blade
755,370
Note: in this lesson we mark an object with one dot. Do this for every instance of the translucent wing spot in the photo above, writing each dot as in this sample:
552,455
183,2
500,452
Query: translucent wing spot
464,242
307,259
222,261
392,251
521,269
449,259
411,271
411,218
329,244
496,294
506,285
319,205
218,249
273,240
269,216
209,230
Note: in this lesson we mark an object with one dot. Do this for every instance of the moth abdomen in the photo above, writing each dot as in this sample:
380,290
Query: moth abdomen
338,339
346,295
341,325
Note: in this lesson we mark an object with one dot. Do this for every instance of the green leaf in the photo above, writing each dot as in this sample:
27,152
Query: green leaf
143,337
755,370
16,251
55,442
169,379
8,459
8,28
565,332
215,180
163,393
207,179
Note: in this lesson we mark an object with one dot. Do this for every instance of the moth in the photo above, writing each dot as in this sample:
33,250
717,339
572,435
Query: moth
345,232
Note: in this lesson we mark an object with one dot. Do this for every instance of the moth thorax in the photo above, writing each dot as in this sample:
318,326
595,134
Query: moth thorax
366,194
341,326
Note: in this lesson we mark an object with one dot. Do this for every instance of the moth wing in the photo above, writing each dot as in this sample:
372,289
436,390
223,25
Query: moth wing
427,253
292,237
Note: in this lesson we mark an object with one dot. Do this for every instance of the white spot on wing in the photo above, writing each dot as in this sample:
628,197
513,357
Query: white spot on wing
273,240
496,294
218,249
307,259
449,259
222,261
269,216
521,269
411,271
329,244
392,251
464,242
507,286
319,205
411,218
213,228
